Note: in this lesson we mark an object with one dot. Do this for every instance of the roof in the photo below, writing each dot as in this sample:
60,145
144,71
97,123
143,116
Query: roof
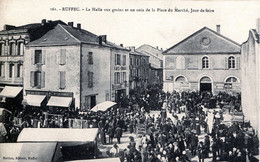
150,50
44,152
57,135
138,53
255,35
67,35
214,43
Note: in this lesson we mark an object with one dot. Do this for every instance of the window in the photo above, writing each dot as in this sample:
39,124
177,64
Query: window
205,62
19,70
131,61
62,56
180,62
124,76
2,49
124,60
231,80
38,57
161,63
90,58
90,79
11,70
137,61
117,61
62,79
12,48
131,72
37,79
2,69
20,48
117,78
180,79
107,96
231,62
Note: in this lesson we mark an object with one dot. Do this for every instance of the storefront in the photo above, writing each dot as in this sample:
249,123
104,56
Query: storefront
12,98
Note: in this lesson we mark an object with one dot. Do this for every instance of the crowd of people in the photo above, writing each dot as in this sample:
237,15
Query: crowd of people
167,139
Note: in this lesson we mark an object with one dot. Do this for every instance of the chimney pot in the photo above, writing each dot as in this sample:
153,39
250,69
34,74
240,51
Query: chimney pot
132,48
70,24
218,29
79,26
43,21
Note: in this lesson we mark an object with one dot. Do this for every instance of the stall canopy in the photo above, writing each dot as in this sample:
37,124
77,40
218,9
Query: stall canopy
34,100
57,135
103,106
59,101
44,152
10,92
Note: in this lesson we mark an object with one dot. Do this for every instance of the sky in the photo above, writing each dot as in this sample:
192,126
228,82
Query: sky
157,28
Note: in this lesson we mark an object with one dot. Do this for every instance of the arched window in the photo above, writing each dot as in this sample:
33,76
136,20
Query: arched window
180,62
2,49
231,62
12,48
231,80
205,62
180,79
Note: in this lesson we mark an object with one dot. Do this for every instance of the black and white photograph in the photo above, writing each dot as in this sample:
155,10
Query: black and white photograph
129,81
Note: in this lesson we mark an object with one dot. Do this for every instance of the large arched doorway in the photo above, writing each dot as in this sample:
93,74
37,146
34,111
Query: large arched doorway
205,84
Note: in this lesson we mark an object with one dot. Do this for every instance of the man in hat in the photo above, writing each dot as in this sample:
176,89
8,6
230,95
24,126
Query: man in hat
118,133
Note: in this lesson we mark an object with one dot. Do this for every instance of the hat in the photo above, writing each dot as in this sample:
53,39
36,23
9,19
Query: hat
115,145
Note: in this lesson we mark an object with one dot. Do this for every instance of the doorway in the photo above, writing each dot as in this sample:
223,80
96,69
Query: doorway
205,84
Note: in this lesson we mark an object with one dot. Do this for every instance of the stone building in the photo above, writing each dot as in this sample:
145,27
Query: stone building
12,44
204,61
139,69
72,67
250,76
156,63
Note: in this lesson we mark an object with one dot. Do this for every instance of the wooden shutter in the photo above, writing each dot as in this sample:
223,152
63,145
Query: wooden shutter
115,59
238,63
33,56
226,63
62,79
32,79
43,56
3,70
62,56
42,79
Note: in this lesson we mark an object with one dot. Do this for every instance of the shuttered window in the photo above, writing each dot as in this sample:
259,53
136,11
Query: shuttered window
12,48
62,56
37,79
62,79
20,48
11,70
2,49
231,62
2,69
90,58
38,57
124,60
19,70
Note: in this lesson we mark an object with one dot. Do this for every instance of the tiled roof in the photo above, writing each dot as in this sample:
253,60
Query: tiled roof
67,35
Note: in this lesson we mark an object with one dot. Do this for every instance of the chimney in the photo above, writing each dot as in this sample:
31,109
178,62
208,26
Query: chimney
79,26
157,47
43,22
100,40
218,29
132,48
121,45
70,24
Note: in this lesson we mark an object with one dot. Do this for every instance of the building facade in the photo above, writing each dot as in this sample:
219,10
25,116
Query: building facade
12,45
139,69
71,67
204,61
250,77
156,63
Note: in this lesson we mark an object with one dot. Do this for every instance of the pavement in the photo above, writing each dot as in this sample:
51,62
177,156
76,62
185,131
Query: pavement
125,138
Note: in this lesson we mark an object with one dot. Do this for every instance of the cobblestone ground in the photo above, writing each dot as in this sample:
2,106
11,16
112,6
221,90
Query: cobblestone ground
125,139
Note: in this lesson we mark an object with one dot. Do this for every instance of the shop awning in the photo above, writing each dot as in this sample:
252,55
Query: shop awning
59,101
34,100
57,135
10,92
103,106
